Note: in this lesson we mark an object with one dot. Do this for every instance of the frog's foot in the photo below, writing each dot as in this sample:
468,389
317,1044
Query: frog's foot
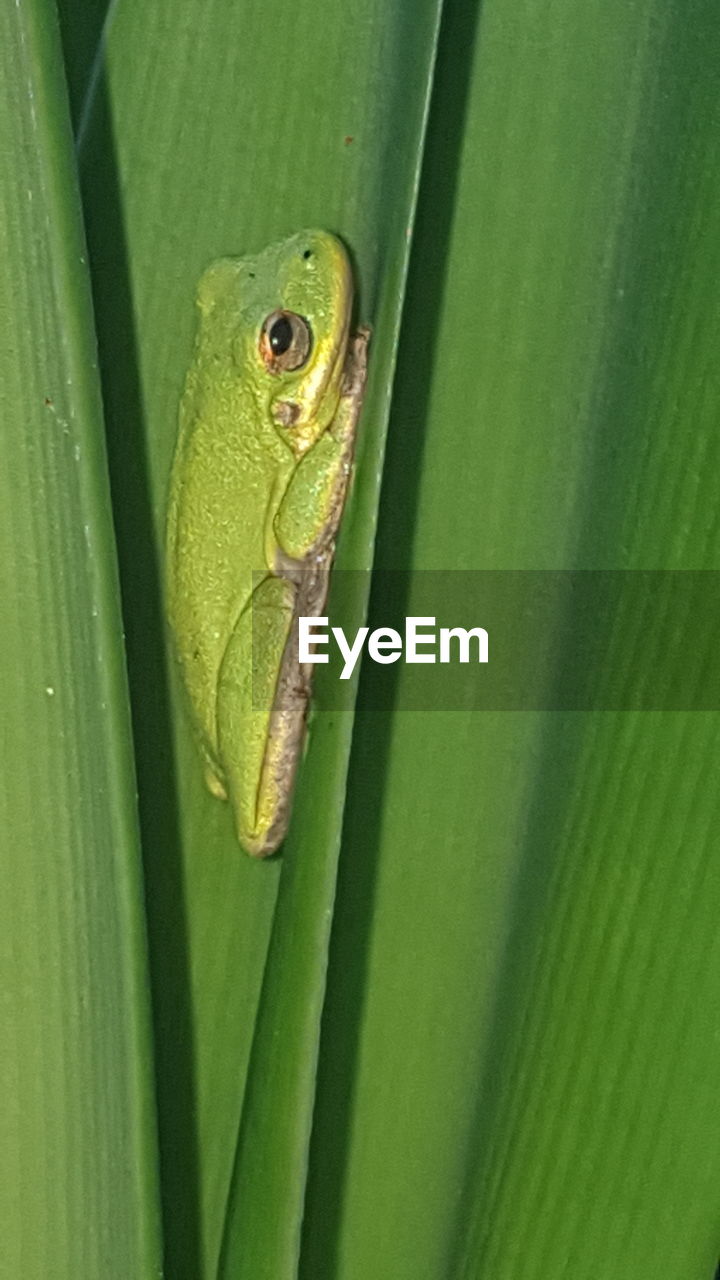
214,785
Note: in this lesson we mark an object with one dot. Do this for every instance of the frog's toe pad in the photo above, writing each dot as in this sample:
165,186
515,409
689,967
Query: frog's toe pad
214,785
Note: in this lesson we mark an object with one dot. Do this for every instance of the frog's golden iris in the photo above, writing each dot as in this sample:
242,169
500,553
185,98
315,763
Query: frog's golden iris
285,342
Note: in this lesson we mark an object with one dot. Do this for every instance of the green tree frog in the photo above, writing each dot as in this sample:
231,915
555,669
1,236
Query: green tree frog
267,426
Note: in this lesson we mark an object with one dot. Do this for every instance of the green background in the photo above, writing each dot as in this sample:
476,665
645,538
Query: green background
468,1025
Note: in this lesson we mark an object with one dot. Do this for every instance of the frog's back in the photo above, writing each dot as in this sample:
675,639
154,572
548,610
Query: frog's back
228,474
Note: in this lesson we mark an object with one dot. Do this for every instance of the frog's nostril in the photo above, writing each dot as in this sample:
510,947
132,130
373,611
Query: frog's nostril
307,254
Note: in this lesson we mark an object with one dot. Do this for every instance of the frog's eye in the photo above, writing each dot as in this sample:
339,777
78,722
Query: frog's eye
285,342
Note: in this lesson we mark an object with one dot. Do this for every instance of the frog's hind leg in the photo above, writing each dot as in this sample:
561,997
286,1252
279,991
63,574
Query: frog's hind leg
262,697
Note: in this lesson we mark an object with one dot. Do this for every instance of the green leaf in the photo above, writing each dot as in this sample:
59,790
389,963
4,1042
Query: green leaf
78,1175
520,1038
517,1067
215,130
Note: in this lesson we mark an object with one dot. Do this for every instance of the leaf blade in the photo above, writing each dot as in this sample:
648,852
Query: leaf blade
259,131
77,1052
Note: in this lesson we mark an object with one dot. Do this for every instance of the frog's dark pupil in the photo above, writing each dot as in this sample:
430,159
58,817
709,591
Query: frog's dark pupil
281,336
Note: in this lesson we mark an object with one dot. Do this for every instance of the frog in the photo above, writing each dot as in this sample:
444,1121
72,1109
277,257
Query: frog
263,459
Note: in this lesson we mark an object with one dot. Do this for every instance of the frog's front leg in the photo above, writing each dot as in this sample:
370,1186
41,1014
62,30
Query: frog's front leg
310,511
260,716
